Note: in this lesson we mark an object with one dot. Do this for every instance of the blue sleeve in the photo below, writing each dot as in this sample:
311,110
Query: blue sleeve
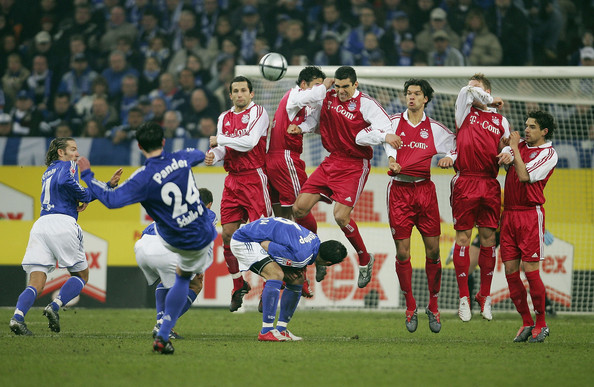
194,156
133,190
71,182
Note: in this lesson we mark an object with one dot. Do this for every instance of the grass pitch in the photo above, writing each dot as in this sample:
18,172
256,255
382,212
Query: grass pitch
113,347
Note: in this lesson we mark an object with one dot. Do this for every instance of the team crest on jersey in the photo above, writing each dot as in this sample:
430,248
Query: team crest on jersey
245,119
424,134
352,106
495,120
533,155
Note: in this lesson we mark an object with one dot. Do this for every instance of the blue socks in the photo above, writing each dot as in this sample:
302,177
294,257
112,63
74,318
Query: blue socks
288,304
24,303
69,290
189,301
270,296
174,303
160,294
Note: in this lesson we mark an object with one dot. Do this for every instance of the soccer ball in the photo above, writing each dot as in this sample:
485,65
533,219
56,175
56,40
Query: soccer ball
273,66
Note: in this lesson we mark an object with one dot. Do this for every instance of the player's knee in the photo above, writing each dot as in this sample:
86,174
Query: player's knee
342,220
196,283
84,275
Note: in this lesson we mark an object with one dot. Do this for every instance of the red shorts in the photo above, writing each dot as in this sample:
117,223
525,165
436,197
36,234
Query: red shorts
339,178
522,234
245,197
413,204
286,175
475,200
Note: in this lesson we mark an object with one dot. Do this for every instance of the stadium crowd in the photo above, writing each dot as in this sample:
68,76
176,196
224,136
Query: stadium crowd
96,68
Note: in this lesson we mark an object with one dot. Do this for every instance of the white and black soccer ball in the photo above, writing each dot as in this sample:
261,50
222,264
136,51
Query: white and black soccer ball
273,66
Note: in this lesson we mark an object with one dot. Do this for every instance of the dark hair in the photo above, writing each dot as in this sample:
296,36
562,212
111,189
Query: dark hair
52,152
150,136
345,72
62,94
240,78
205,196
481,78
545,120
332,251
310,73
425,87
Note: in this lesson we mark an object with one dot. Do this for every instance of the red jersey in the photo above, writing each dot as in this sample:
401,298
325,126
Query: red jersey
340,122
419,144
540,162
241,138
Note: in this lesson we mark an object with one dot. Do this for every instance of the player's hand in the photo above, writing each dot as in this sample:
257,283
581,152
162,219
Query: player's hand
548,238
395,168
81,207
209,158
497,103
115,179
394,140
213,141
83,163
445,162
294,129
505,158
514,139
328,82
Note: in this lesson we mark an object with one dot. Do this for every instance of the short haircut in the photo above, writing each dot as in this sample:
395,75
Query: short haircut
332,251
310,73
240,78
483,79
545,120
62,94
150,136
345,72
423,84
52,152
205,196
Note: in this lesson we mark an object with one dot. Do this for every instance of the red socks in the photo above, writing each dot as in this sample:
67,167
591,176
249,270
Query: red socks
233,267
433,271
351,232
517,292
486,262
404,272
309,222
461,264
537,293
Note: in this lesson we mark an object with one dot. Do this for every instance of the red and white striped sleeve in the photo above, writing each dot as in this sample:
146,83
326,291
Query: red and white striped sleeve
539,168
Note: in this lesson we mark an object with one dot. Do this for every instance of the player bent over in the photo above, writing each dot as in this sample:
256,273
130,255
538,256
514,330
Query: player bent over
279,250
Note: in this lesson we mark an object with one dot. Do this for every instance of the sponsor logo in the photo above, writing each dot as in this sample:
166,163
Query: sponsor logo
486,125
402,134
417,145
227,123
310,237
349,199
534,255
341,110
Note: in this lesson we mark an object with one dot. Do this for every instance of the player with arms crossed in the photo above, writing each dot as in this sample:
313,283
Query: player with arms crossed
241,143
159,264
279,250
523,220
166,188
350,123
412,198
476,193
56,237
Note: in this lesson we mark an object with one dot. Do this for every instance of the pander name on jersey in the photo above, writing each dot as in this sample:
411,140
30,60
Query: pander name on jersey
175,165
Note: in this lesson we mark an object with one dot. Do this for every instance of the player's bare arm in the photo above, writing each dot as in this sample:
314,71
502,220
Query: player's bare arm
393,165
523,175
394,140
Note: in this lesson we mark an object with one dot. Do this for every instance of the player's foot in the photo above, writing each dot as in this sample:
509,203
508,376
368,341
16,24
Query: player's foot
237,296
464,309
162,346
485,303
53,318
523,334
365,273
172,334
539,335
320,273
272,335
411,320
19,328
434,321
286,333
306,291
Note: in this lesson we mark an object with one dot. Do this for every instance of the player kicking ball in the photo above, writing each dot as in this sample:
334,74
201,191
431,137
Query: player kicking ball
278,250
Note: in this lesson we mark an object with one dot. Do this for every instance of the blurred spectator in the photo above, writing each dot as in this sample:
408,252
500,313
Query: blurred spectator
586,41
201,74
26,119
202,104
479,46
437,22
295,41
166,90
250,28
81,25
144,104
351,12
127,98
104,114
115,28
5,125
13,17
332,54
390,42
9,46
419,14
587,56
443,53
367,23
191,45
579,125
457,14
223,29
42,45
149,79
159,49
127,131
93,129
41,82
170,14
546,21
98,89
371,51
77,82
63,130
181,99
278,37
4,105
76,46
512,28
15,76
331,21
158,109
208,18
171,128
408,55
186,23
207,126
62,111
133,57
388,10
149,28
136,9
117,70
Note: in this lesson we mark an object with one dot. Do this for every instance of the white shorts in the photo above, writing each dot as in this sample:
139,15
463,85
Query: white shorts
55,238
247,253
155,260
193,261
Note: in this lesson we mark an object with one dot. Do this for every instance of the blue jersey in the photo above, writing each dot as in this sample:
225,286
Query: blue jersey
166,188
150,229
290,244
60,190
